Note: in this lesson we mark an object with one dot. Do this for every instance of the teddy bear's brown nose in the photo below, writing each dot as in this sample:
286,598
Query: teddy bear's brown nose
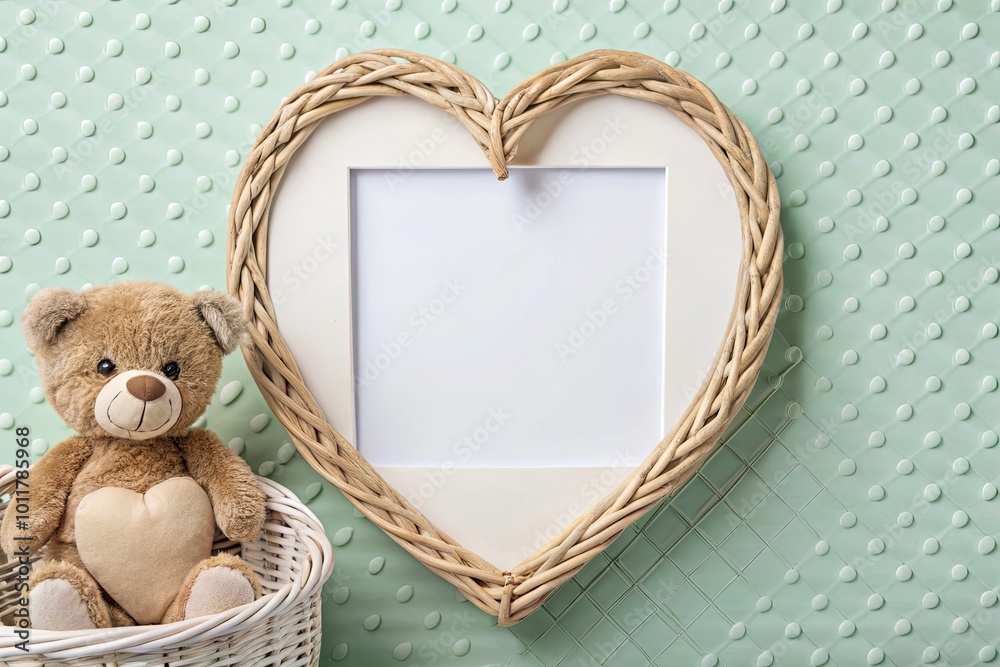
145,387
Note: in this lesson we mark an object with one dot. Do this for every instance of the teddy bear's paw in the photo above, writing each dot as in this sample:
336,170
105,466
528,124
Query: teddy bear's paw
243,520
62,596
218,589
55,604
227,582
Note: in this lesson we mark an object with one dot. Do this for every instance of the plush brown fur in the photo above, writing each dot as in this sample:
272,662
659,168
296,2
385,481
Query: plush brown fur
139,326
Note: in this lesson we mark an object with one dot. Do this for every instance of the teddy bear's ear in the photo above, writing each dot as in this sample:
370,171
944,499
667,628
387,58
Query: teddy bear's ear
224,316
48,312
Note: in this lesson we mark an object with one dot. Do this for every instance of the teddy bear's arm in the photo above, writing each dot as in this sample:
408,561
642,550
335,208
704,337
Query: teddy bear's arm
47,488
236,497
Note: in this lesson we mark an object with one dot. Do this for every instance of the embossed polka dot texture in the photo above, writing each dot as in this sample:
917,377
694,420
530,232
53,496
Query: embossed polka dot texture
849,517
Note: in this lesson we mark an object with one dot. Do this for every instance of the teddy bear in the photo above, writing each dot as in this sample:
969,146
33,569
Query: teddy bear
123,514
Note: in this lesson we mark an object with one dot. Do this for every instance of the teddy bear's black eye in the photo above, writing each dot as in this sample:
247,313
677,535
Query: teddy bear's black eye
106,367
172,370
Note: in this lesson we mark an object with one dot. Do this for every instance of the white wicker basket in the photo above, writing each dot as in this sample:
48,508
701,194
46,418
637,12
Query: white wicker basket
293,558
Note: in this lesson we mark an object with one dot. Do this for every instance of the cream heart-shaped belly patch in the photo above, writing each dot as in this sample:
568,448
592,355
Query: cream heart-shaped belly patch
140,547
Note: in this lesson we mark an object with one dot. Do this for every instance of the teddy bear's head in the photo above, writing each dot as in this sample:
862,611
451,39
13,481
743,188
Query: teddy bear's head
135,359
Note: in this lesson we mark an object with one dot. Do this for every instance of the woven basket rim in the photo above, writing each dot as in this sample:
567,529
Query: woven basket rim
76,644
497,126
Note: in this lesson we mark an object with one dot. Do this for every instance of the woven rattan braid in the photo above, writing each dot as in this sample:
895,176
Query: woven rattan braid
497,127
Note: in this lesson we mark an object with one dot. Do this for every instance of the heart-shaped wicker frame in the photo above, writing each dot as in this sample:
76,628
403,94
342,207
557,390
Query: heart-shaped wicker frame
497,127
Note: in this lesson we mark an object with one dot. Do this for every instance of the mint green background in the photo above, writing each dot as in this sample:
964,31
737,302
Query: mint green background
858,504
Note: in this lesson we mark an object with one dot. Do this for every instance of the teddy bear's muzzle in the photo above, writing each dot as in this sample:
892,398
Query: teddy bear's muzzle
138,405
